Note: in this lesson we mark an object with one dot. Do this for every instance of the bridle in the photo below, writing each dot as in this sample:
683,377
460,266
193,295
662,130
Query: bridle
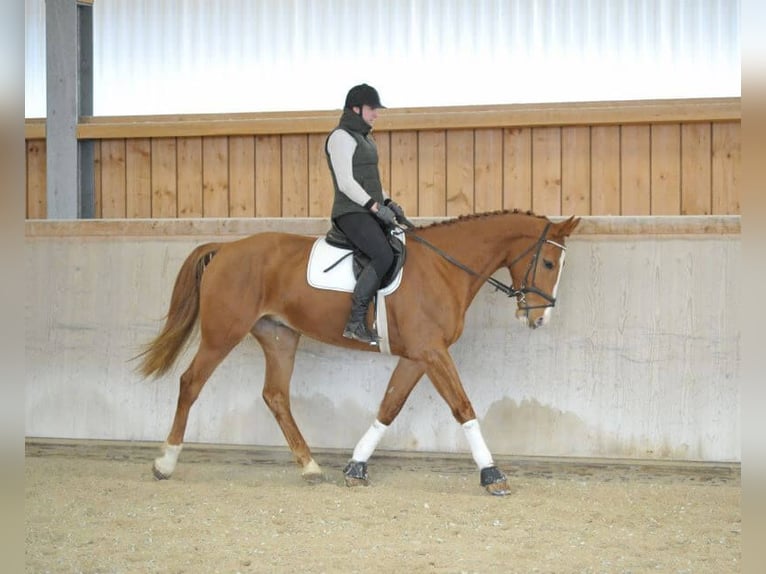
526,286
532,270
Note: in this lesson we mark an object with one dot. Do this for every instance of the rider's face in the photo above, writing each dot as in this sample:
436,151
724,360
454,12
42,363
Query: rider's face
368,114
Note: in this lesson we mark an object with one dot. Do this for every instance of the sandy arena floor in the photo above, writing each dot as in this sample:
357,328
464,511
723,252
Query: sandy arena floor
95,507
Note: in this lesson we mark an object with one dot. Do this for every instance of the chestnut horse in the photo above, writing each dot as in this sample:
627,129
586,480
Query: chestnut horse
258,285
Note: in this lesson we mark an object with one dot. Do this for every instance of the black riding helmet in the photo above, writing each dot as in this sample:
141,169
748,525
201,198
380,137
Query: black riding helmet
361,95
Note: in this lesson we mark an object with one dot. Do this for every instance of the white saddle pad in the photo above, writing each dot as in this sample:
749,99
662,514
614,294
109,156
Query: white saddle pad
341,276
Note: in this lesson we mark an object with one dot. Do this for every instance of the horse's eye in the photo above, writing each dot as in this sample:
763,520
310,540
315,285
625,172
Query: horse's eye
548,264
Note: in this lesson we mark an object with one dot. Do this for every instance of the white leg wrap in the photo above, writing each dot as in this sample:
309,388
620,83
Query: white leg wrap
369,441
166,464
479,449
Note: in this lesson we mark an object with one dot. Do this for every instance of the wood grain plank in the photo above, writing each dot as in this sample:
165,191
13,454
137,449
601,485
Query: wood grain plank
488,170
215,177
138,178
575,170
242,176
189,155
666,169
295,184
268,176
97,205
636,177
517,169
321,192
605,170
164,184
404,170
37,201
726,166
696,164
430,118
113,179
383,143
460,172
546,171
432,174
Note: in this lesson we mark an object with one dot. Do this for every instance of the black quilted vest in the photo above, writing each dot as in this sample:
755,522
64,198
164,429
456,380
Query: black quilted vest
364,165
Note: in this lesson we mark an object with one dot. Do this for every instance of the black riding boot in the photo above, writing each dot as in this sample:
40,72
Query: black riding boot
356,327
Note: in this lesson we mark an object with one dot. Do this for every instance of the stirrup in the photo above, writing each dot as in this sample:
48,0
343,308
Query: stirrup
360,332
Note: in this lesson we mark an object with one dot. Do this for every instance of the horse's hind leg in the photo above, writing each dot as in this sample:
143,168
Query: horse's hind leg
279,344
194,378
404,378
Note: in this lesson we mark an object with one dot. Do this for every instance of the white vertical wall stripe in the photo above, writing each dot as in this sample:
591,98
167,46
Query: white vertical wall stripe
194,56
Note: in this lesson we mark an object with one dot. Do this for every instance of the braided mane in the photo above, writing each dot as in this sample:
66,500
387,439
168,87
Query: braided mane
471,216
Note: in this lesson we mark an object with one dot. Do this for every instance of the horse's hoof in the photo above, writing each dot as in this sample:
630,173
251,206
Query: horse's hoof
312,474
499,488
311,478
494,481
352,482
159,475
355,474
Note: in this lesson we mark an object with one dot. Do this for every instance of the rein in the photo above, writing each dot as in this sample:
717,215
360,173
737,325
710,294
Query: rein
509,290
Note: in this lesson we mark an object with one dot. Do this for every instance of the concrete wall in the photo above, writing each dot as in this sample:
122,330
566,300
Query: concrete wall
641,359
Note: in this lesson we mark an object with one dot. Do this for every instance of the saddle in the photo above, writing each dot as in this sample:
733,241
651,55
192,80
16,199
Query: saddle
337,238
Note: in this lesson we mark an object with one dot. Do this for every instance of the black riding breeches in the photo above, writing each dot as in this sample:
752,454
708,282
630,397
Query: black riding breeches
364,231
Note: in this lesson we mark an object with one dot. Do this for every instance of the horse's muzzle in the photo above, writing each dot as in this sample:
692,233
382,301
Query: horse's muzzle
523,315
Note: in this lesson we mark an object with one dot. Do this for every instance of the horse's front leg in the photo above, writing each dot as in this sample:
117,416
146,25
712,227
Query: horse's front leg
279,344
444,376
404,378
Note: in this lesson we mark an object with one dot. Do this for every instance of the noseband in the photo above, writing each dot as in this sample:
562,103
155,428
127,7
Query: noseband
526,285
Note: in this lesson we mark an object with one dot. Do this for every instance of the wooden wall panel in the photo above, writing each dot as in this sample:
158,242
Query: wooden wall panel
636,176
164,184
138,178
517,172
383,143
113,179
404,170
696,185
37,202
268,176
488,193
666,169
644,160
215,177
321,191
295,176
575,170
605,170
460,172
726,165
189,157
431,197
546,171
242,176
97,205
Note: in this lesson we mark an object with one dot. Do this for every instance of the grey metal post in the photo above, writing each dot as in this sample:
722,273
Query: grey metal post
69,63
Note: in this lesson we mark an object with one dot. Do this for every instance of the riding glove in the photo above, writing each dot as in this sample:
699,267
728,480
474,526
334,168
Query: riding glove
386,215
397,209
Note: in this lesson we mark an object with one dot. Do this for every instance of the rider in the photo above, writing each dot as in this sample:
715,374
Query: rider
361,209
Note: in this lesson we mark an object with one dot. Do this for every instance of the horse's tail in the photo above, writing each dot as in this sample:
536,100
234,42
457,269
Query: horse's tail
159,355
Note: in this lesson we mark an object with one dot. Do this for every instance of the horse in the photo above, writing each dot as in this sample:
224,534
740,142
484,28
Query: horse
258,285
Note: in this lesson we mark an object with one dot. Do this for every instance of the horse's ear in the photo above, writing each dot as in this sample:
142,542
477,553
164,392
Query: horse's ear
568,226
